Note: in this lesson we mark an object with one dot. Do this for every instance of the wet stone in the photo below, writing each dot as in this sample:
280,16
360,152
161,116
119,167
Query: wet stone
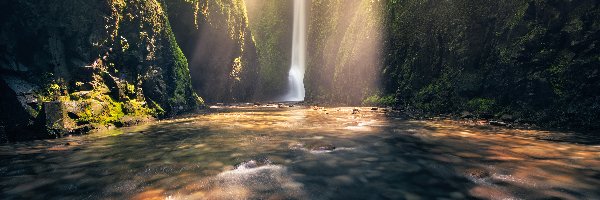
477,173
71,144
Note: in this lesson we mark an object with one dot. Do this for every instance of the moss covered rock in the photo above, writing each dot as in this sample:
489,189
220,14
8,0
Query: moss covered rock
113,59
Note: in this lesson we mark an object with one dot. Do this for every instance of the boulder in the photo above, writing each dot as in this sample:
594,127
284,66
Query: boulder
466,115
507,118
54,117
18,106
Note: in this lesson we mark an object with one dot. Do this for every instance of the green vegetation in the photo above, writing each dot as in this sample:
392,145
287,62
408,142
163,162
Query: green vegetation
344,51
270,22
109,62
534,60
481,105
225,65
377,100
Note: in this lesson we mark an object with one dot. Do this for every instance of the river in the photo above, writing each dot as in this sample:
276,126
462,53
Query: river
302,153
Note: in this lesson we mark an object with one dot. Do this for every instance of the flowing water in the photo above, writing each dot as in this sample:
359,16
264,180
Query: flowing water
296,75
302,153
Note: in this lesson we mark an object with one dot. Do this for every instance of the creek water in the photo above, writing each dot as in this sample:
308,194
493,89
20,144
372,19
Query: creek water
302,153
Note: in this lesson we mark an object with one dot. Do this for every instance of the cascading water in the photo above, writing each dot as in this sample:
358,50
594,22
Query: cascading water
296,75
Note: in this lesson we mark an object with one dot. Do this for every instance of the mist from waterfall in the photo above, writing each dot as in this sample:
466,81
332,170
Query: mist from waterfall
296,75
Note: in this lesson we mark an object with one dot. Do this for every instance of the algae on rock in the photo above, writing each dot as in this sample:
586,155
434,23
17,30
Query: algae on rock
110,62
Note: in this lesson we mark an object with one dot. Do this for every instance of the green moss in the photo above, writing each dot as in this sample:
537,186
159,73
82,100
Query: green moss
102,112
270,27
378,100
156,110
344,61
130,88
199,100
181,90
482,105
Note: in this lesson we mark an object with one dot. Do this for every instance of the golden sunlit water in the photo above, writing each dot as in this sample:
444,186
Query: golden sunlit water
302,153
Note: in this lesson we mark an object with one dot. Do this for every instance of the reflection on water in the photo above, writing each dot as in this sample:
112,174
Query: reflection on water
298,153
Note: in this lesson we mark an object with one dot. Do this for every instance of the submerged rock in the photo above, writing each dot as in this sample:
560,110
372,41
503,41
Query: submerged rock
320,147
71,143
477,173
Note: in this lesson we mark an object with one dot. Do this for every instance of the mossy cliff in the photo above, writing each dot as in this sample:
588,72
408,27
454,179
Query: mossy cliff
528,61
343,51
109,62
271,24
216,38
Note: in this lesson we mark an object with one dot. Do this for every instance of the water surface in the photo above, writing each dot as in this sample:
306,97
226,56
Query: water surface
302,153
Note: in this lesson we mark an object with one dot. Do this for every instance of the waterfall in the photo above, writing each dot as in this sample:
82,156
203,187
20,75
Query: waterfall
296,74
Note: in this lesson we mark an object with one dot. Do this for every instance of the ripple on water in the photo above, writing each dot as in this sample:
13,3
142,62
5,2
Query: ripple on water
251,180
375,158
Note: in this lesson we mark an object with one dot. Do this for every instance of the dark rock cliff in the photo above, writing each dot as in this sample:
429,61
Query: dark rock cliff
215,37
536,61
344,51
110,62
271,22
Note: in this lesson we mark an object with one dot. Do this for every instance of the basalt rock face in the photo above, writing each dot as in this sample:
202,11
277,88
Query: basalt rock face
534,60
104,62
271,22
344,54
216,38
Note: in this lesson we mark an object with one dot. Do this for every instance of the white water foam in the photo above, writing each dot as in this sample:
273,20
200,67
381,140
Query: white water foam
250,181
296,90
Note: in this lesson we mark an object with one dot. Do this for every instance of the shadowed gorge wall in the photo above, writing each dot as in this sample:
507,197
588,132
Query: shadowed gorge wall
215,37
109,62
344,51
527,61
531,61
271,24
